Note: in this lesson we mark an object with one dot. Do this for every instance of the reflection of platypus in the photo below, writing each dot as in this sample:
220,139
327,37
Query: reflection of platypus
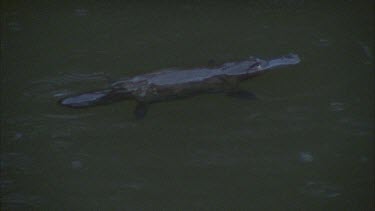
172,84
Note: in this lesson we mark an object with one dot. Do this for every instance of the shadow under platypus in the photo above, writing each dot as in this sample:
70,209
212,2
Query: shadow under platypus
174,84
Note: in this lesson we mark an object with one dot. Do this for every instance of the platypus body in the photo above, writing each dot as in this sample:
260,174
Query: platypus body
172,84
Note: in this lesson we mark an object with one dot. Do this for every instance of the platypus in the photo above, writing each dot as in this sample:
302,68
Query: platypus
178,83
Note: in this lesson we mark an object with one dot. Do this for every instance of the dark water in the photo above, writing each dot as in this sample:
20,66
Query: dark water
306,143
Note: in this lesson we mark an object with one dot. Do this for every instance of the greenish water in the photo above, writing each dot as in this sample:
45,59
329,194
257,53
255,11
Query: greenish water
306,143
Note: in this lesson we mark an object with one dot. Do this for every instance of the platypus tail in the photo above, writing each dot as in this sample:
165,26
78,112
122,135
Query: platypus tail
94,98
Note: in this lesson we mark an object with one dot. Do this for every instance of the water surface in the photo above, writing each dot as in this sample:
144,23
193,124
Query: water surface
306,143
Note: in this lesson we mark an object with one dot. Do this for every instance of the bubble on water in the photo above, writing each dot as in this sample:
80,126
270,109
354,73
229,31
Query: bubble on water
363,159
18,135
367,51
5,184
306,157
323,42
77,164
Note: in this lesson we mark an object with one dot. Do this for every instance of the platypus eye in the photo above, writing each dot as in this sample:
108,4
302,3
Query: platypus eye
256,64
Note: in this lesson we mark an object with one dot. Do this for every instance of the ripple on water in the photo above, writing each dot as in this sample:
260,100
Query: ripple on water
19,201
337,106
320,189
81,12
14,26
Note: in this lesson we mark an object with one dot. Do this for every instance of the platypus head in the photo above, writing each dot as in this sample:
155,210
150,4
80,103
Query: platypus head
281,61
